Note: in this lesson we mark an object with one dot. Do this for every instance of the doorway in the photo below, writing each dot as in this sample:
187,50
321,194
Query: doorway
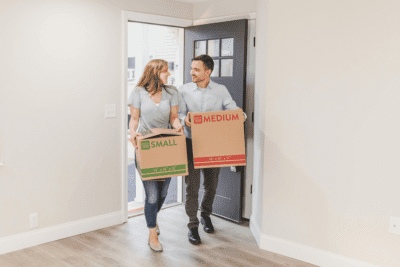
144,43
168,22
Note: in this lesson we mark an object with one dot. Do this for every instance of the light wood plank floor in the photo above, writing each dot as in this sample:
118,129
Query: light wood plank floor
126,245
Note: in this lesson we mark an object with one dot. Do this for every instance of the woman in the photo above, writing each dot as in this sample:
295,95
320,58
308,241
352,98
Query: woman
154,105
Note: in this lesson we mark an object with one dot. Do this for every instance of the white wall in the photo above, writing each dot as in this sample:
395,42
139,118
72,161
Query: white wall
220,8
331,153
61,62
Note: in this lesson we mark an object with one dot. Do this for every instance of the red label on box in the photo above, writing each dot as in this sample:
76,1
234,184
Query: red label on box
230,163
197,119
220,160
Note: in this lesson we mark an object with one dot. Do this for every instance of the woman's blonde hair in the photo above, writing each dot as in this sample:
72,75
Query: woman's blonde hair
150,79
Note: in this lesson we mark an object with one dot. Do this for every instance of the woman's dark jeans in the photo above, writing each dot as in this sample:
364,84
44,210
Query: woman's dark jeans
156,192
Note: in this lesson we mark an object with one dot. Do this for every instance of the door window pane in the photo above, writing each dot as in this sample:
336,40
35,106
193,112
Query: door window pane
215,72
213,48
199,48
226,67
227,47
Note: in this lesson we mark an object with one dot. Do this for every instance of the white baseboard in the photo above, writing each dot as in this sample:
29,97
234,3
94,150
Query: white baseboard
36,237
308,254
301,252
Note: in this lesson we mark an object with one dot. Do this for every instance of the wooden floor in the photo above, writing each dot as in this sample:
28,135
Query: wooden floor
126,245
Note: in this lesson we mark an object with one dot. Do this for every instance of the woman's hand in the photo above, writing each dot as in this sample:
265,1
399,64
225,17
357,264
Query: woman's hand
179,128
134,137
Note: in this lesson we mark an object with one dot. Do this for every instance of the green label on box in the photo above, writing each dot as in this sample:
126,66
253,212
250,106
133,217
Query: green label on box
145,145
154,144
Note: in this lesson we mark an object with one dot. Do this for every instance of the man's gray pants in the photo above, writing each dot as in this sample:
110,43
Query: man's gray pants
192,182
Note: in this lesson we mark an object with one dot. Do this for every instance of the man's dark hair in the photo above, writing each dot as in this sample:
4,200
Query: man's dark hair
207,60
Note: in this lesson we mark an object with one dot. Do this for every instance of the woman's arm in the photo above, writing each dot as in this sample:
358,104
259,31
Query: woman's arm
133,124
174,119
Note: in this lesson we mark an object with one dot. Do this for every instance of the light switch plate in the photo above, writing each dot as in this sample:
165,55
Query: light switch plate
111,111
394,225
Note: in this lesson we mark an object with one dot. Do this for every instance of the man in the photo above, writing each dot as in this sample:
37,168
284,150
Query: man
201,95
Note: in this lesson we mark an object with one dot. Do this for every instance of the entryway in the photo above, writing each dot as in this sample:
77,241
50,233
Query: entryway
208,43
147,42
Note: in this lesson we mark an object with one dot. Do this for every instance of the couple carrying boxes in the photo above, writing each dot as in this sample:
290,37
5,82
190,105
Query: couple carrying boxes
212,137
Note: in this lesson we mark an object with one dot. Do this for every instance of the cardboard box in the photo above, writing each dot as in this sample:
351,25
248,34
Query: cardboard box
161,153
218,139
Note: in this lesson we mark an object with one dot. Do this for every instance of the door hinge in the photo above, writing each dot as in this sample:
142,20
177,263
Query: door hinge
252,117
251,189
254,41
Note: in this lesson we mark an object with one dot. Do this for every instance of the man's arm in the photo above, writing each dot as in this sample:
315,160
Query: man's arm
229,103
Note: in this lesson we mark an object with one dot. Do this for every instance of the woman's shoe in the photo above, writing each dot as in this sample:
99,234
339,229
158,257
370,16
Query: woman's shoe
156,248
157,229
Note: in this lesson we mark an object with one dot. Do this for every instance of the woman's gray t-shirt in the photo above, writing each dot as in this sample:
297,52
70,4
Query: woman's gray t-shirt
152,116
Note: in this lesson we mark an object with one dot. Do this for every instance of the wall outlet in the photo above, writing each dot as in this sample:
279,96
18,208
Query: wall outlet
33,220
394,225
111,111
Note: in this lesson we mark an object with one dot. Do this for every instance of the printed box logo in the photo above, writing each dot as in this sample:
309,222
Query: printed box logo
145,145
225,117
197,119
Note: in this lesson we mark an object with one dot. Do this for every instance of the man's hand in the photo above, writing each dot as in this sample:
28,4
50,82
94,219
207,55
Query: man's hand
187,120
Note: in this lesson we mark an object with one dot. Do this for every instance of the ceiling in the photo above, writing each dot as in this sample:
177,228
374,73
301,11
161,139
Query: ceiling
194,1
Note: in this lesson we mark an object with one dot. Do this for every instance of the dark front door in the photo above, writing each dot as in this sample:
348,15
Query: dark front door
226,43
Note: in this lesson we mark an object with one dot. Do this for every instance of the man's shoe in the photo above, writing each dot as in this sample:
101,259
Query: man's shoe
208,226
193,235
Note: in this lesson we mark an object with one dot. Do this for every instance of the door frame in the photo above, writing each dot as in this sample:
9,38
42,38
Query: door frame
129,16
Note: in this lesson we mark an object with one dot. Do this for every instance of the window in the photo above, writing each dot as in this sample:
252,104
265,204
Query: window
221,51
131,68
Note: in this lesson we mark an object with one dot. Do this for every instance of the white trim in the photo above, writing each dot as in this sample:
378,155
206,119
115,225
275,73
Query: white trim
255,230
225,18
308,254
124,152
156,19
41,236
